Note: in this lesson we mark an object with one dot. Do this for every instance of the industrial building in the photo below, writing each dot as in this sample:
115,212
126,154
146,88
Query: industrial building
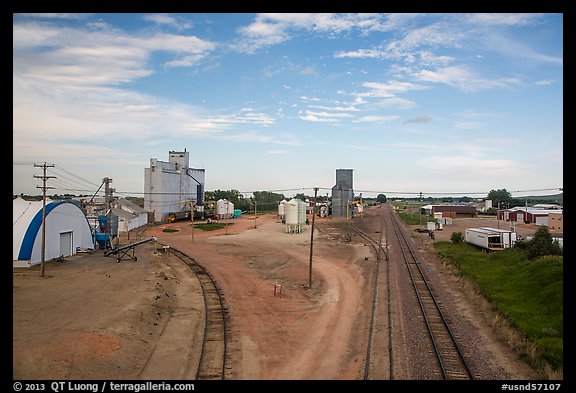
67,231
452,211
530,215
171,187
130,216
342,193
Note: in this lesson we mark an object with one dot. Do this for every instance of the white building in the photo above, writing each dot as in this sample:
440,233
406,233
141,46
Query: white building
171,186
67,230
130,216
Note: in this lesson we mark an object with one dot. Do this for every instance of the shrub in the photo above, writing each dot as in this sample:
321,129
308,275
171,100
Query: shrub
457,237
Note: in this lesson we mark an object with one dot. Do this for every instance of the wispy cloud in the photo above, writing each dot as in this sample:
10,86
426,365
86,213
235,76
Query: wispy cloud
168,20
272,29
465,79
424,118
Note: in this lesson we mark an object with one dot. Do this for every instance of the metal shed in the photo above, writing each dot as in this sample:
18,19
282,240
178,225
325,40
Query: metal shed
67,230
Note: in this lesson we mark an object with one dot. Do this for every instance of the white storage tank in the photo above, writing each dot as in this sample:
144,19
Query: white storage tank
282,209
291,212
295,216
222,208
301,212
230,209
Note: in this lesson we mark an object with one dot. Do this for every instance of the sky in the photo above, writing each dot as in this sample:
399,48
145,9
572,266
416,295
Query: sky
443,104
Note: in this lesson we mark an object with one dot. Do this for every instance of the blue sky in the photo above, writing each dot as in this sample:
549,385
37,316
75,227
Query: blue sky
432,103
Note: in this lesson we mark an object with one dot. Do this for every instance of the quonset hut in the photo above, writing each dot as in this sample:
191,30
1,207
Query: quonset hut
67,230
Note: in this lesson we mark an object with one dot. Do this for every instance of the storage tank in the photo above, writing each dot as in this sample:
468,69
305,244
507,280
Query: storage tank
291,212
301,212
221,208
230,209
282,209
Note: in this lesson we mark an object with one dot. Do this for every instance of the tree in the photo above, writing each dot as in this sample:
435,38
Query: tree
301,196
500,195
543,244
381,198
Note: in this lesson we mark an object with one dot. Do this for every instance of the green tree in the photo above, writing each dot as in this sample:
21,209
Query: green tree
381,198
500,195
301,196
543,244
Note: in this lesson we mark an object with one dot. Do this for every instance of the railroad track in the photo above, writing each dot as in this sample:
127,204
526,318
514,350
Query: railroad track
381,255
451,361
214,356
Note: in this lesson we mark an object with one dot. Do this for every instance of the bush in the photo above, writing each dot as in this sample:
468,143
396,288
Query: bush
542,244
457,237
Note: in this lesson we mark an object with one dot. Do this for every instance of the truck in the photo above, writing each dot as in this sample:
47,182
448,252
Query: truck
490,238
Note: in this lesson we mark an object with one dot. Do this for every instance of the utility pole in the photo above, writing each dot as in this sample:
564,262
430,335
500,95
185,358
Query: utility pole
255,212
227,208
192,217
312,239
107,192
44,187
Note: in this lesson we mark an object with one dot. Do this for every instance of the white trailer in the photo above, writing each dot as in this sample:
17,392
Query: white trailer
490,238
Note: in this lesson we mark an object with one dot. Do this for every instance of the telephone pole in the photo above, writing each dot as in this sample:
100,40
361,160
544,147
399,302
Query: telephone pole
312,239
255,212
44,187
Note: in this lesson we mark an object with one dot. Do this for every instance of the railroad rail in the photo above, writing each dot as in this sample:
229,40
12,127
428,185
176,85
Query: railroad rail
381,255
451,360
214,352
214,355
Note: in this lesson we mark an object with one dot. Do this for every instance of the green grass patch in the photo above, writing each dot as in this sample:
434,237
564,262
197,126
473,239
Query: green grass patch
529,293
414,219
211,227
169,230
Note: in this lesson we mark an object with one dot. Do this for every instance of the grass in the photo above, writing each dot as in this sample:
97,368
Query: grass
415,219
169,230
528,293
211,227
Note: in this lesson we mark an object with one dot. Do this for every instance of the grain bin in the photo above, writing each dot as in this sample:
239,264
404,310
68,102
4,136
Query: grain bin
295,216
222,208
282,209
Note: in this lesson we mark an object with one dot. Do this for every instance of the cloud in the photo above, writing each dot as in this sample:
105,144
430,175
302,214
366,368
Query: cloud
388,89
274,152
467,166
464,78
324,116
507,19
376,118
420,119
75,56
468,125
274,28
168,20
395,102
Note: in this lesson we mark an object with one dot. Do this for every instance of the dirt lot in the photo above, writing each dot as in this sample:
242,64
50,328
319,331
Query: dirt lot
93,318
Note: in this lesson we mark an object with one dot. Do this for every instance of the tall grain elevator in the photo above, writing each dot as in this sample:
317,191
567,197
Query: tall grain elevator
342,192
170,187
